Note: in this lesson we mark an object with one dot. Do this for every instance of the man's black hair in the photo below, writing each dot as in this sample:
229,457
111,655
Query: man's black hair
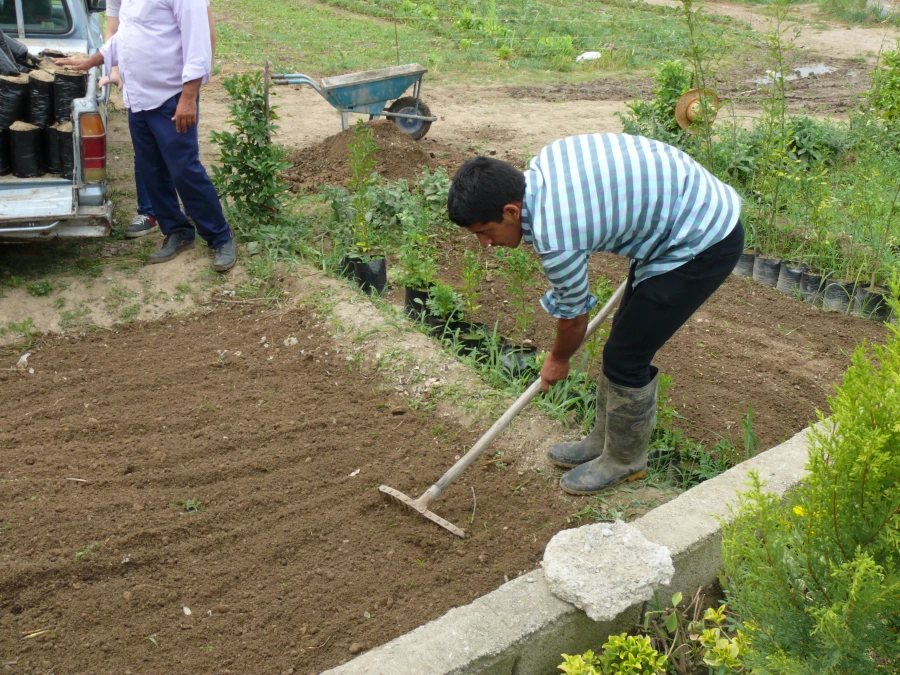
480,190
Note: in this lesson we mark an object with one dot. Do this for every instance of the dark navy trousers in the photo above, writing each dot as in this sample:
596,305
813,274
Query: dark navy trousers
169,166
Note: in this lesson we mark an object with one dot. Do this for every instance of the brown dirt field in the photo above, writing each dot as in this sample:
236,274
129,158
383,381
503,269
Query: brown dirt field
748,345
296,562
832,93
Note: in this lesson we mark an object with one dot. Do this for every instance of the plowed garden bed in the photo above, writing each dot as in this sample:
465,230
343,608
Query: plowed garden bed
292,560
749,346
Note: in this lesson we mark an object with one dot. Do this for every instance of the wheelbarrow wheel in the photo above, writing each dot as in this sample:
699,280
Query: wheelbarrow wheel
415,129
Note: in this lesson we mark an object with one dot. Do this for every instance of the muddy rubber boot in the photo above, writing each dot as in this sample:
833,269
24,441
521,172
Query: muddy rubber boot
630,418
573,453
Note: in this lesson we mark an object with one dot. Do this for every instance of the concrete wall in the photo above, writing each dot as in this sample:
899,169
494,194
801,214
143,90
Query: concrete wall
522,628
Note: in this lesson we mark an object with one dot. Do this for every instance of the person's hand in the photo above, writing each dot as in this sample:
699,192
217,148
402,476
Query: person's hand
185,114
112,78
77,64
553,371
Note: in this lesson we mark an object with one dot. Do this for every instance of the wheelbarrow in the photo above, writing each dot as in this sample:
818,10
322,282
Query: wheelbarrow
370,91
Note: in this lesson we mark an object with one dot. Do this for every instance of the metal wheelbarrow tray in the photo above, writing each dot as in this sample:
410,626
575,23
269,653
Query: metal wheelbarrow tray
369,91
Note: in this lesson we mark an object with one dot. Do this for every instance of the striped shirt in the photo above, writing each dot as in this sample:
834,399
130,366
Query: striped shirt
628,195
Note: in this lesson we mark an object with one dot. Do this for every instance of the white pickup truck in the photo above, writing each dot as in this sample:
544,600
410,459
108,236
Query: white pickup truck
49,206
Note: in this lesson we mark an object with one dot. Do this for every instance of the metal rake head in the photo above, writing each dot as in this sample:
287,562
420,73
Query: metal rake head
422,510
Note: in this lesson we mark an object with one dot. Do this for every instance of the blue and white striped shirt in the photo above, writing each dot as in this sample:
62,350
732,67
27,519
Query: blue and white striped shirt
628,195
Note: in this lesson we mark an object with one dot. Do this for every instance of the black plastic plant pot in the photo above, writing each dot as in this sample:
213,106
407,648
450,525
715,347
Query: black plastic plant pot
744,267
415,303
468,337
789,275
871,303
811,288
838,296
345,268
517,360
371,275
765,270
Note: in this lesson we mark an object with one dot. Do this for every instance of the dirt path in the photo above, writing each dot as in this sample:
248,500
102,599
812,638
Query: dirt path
817,33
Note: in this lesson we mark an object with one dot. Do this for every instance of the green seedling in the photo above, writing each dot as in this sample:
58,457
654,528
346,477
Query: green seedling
39,288
521,271
473,273
191,505
88,550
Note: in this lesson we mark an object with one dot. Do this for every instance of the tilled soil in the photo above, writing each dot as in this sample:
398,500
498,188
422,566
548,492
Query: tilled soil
748,346
292,559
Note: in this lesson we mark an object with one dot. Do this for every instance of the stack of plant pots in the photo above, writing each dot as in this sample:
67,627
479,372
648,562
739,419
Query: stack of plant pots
816,288
36,134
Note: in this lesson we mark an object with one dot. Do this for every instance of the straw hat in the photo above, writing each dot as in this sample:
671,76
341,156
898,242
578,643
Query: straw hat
687,109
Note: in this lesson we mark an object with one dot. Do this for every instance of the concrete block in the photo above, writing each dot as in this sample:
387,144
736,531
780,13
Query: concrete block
604,569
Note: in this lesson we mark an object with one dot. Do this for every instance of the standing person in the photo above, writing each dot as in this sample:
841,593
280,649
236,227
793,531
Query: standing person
628,195
144,222
164,52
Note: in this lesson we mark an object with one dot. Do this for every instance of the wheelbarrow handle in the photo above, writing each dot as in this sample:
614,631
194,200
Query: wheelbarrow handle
295,78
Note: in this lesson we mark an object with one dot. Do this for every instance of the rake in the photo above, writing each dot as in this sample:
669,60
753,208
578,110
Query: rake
428,497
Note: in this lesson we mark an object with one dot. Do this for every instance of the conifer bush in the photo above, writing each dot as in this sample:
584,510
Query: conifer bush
815,577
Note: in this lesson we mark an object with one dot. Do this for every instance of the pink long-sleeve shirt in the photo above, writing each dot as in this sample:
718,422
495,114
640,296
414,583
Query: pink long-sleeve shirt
160,45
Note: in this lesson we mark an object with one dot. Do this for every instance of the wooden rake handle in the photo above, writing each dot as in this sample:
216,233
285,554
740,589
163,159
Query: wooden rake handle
497,428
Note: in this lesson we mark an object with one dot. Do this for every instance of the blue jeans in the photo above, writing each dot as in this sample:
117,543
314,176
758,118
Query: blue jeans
169,165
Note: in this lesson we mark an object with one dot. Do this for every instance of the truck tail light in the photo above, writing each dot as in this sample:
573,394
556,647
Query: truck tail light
93,147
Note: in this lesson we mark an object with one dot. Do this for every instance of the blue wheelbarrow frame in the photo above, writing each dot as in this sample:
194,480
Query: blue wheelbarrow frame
368,93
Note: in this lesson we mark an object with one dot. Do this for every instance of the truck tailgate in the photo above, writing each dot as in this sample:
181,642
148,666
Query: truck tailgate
36,199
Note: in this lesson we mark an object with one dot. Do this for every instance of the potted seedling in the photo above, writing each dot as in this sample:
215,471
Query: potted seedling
792,267
364,261
840,287
520,269
418,268
870,301
473,273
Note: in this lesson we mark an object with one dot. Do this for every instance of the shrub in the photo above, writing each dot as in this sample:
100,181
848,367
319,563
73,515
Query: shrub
251,165
656,118
815,577
622,655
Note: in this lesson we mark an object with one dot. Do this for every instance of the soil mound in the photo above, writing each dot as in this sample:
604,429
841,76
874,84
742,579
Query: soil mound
328,163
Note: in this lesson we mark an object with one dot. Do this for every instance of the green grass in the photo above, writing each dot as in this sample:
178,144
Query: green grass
452,37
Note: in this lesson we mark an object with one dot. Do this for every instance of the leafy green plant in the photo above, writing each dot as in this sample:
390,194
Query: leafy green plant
473,273
815,576
191,505
445,302
416,257
884,96
39,288
249,174
433,189
622,655
656,118
520,270
88,550
693,638
361,155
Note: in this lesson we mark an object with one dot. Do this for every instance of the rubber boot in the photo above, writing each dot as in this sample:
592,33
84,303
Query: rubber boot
630,418
573,453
